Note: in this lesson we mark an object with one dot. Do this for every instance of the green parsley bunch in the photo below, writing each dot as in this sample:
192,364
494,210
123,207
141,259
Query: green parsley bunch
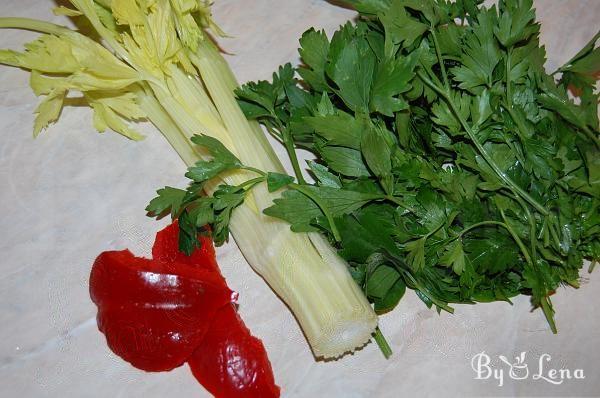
447,159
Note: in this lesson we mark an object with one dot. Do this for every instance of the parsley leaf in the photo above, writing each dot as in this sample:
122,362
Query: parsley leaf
276,181
351,67
481,54
169,200
400,28
222,160
314,53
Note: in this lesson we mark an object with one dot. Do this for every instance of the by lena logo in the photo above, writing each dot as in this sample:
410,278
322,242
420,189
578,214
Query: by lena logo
519,369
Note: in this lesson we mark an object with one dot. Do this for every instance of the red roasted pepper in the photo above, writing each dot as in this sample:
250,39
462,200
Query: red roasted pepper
154,314
230,362
158,314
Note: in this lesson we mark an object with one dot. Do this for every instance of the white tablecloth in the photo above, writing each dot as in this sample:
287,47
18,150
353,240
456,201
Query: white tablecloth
73,193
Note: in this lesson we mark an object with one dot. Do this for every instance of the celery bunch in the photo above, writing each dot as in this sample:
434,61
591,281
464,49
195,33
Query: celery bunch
155,62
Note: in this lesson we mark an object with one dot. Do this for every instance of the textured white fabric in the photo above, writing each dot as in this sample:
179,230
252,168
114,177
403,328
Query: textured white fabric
73,193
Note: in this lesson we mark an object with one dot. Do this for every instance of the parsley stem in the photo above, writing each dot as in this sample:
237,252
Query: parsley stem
440,58
532,226
507,180
591,135
283,136
549,313
255,170
508,82
288,142
516,238
274,133
324,209
249,184
382,343
544,299
544,234
552,227
430,81
481,224
512,233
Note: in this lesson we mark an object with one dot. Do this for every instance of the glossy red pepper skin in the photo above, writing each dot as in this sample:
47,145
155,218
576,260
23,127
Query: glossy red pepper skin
157,314
154,314
230,362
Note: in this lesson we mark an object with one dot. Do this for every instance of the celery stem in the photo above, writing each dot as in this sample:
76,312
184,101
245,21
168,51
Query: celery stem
34,25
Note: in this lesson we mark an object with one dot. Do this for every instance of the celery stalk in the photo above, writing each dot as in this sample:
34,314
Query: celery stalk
310,278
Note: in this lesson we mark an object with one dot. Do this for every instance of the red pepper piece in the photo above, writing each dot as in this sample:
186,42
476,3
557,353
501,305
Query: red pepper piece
230,362
154,314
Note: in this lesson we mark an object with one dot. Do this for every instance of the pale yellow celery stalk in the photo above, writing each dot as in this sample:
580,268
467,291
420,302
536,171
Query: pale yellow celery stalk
191,90
216,70
158,116
303,269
